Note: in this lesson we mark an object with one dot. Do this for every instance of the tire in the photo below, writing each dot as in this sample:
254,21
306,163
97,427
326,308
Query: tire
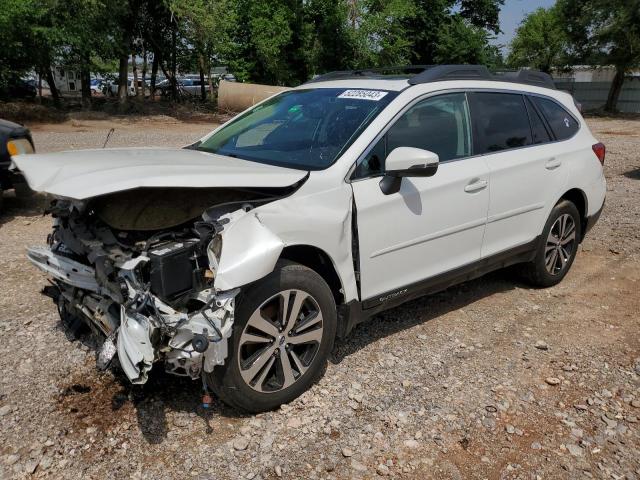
22,190
252,378
547,269
73,324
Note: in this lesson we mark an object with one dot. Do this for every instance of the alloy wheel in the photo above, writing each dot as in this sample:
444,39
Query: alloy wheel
561,243
280,341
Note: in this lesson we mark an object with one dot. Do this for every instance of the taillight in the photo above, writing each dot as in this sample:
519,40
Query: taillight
600,151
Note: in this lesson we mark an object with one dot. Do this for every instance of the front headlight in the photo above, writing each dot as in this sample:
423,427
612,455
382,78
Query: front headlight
19,146
214,251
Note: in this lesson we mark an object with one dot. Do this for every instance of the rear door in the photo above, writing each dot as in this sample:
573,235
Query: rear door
525,172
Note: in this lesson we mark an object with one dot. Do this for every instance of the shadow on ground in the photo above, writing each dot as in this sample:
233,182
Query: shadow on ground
12,206
423,310
633,174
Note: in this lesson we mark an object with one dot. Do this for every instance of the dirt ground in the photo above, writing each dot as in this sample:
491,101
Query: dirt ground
489,379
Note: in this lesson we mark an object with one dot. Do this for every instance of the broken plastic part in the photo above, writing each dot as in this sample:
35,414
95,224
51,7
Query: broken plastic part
249,252
106,354
64,269
135,351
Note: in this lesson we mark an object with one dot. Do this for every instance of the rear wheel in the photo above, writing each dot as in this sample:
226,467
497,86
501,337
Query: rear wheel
284,330
558,246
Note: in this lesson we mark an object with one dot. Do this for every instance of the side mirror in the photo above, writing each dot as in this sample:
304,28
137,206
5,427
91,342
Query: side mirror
407,162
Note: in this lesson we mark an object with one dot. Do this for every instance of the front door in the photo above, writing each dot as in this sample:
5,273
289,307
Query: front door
432,225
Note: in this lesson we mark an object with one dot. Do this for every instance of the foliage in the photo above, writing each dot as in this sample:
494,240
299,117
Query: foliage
604,32
462,42
540,41
269,41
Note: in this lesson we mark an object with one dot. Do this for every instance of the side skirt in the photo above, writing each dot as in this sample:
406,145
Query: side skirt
356,312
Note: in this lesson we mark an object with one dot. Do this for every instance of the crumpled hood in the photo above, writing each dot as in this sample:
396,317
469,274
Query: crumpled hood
83,174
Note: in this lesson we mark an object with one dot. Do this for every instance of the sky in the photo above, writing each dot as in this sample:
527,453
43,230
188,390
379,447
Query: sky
512,13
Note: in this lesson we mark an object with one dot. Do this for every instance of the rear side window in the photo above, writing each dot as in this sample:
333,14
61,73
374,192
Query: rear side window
502,121
562,122
539,131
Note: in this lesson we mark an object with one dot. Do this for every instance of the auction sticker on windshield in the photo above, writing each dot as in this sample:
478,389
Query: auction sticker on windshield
373,95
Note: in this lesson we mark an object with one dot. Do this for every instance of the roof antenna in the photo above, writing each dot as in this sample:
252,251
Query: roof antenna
108,136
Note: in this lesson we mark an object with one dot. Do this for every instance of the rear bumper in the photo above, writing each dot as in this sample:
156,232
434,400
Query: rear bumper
592,220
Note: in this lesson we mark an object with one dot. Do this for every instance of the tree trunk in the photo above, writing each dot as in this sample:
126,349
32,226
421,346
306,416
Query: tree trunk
123,83
144,71
134,68
203,91
154,74
40,86
85,80
614,91
52,84
174,85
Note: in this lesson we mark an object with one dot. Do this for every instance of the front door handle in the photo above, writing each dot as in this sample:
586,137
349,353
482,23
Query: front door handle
476,186
552,164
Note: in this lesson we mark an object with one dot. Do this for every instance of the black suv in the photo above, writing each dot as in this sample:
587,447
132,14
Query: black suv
14,139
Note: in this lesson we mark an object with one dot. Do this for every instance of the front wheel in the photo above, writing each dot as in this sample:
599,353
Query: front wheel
557,248
22,190
283,333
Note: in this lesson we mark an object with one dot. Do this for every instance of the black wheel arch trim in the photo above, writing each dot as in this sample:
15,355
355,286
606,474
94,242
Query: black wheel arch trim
592,220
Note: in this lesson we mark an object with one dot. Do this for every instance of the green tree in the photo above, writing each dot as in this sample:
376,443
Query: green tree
540,41
206,26
461,42
604,32
438,22
380,35
329,37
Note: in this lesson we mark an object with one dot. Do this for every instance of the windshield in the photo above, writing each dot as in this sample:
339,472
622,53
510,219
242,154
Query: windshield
303,129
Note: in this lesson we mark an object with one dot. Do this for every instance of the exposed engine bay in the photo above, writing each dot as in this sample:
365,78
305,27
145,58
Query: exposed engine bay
140,266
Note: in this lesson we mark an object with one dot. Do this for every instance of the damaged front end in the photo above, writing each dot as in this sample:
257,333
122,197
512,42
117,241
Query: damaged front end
145,279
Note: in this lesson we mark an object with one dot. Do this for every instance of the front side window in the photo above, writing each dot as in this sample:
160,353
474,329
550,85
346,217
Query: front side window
562,123
502,121
439,124
303,129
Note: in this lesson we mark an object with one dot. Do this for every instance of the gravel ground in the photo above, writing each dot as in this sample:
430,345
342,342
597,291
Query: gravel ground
490,379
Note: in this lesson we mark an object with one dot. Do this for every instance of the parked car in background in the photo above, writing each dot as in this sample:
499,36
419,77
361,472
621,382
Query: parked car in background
97,86
239,259
191,84
111,88
14,140
188,85
227,77
19,88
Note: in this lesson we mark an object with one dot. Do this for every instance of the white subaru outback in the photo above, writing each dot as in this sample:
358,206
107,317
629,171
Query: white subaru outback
240,258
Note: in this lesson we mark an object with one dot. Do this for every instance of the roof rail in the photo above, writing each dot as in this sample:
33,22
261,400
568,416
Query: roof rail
530,77
438,73
370,72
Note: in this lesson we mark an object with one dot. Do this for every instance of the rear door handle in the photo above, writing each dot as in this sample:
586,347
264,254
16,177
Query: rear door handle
476,186
552,164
